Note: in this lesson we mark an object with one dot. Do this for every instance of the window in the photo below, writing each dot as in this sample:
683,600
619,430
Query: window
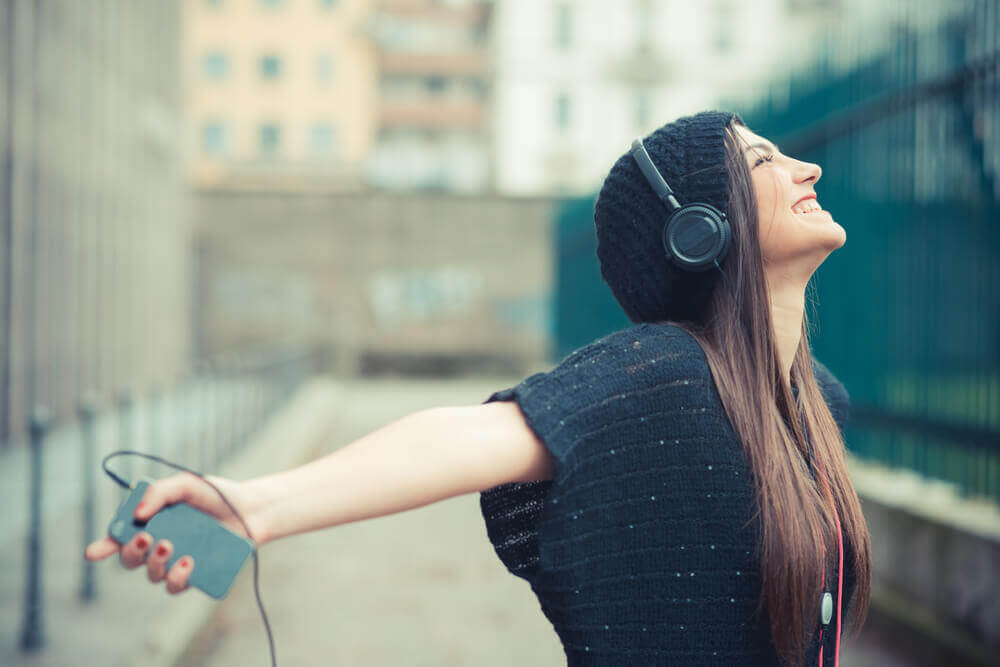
563,25
724,18
215,138
322,138
324,68
435,84
215,65
644,15
562,111
269,138
641,109
270,67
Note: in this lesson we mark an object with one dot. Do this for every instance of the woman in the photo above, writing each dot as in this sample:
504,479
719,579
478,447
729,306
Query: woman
657,488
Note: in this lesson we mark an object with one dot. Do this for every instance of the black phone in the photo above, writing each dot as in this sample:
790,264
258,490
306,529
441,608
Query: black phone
219,554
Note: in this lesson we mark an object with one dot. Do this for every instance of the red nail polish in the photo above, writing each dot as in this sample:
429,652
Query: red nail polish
161,550
185,562
141,543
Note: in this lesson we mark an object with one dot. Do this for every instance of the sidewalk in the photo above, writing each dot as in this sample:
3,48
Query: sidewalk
419,588
422,587
132,622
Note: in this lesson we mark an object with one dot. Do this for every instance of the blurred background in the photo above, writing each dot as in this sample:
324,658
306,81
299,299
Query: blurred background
242,233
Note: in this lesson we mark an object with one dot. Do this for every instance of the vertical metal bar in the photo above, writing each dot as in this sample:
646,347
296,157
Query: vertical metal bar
87,412
155,434
7,213
33,632
126,428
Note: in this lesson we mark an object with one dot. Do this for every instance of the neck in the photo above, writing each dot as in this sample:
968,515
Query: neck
787,305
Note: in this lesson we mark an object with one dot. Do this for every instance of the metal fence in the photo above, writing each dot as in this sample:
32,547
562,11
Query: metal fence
910,145
909,142
200,422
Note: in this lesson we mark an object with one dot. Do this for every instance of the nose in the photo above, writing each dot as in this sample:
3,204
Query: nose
809,171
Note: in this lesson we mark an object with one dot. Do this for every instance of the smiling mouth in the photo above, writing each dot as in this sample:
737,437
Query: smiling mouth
814,207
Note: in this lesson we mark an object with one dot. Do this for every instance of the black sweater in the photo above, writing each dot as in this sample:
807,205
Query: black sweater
637,548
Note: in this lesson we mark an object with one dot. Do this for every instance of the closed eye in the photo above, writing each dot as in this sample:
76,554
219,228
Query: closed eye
768,158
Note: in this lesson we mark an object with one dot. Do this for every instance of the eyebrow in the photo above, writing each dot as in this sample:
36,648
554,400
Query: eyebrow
765,146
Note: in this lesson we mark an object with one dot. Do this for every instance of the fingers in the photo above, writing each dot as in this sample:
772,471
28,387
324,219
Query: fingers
101,549
173,489
177,578
156,566
133,553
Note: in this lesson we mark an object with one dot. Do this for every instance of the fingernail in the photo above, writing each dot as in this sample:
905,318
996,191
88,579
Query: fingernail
185,562
161,550
141,542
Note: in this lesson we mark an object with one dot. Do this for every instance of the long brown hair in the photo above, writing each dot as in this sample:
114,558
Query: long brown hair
735,329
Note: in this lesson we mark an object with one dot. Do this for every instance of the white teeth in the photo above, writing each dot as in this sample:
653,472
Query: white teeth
807,206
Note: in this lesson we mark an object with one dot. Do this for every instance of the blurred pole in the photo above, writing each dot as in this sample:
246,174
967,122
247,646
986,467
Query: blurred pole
238,409
215,412
203,421
182,418
33,632
7,42
87,411
126,429
153,427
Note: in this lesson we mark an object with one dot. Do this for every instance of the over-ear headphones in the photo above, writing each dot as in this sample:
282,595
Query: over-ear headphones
696,236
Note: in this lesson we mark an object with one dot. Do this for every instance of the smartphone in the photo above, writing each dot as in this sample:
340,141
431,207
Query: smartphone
219,554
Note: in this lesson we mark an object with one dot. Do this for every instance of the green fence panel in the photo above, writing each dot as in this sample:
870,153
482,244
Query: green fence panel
907,313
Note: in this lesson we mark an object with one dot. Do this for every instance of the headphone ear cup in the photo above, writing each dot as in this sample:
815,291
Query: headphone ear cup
696,237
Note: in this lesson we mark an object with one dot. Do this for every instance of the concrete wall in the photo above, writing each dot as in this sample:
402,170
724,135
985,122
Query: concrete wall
935,559
410,281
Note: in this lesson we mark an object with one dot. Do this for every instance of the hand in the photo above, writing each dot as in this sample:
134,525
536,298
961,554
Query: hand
188,488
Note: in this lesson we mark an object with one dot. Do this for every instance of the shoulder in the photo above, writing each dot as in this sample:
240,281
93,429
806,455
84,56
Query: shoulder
609,381
634,356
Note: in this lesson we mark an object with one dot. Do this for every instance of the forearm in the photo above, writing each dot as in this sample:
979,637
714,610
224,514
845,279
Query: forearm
414,461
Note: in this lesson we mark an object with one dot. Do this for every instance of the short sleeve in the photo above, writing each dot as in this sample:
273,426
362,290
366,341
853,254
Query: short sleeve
512,511
834,393
555,403
591,400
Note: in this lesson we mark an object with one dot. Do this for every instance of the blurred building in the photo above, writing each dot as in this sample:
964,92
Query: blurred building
95,255
434,126
279,94
576,80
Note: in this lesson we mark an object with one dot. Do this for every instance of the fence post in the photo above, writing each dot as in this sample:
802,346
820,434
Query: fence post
155,433
33,633
126,429
87,412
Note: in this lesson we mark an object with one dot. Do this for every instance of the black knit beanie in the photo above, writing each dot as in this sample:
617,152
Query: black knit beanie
690,153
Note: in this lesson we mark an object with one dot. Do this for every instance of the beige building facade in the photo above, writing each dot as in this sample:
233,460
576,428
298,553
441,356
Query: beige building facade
278,93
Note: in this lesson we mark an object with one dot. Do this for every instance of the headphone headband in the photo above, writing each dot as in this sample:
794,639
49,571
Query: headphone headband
653,175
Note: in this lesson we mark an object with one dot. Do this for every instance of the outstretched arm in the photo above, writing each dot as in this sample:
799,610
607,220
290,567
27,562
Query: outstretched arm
422,458
419,459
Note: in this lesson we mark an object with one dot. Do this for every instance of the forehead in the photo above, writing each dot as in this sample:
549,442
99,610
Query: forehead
749,138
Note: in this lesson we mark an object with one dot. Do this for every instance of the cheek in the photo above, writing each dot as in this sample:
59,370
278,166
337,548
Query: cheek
768,215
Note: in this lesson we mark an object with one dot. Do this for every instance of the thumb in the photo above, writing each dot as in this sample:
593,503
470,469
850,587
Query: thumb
173,489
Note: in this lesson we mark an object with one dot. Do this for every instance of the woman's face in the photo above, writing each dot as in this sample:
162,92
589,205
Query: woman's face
791,234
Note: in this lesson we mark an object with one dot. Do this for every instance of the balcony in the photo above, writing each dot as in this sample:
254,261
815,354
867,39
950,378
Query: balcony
465,62
432,113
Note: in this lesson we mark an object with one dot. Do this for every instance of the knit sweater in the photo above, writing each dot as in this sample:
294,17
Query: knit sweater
637,549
